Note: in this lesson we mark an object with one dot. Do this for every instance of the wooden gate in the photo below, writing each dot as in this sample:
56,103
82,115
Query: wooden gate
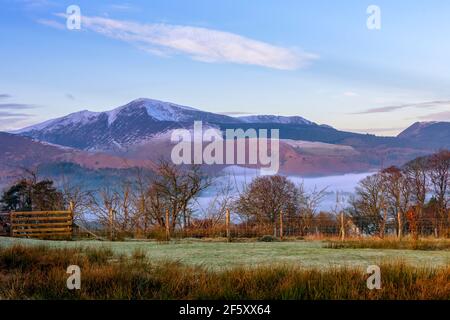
42,224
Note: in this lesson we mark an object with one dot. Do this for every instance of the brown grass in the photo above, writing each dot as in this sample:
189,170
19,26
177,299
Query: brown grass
40,273
391,243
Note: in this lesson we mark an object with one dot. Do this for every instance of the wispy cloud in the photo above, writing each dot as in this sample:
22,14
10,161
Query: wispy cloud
7,114
427,104
350,94
10,117
52,23
70,96
4,96
12,123
200,44
438,116
122,7
16,106
36,4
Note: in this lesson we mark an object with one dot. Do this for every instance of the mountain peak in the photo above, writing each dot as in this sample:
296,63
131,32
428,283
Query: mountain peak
431,135
158,110
418,128
147,102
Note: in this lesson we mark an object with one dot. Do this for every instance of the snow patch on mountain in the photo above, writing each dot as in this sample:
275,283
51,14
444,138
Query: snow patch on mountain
76,118
158,110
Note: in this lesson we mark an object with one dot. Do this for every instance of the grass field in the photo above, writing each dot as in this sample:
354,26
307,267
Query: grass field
39,272
215,255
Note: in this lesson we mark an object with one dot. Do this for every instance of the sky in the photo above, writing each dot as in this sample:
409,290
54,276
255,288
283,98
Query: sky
316,59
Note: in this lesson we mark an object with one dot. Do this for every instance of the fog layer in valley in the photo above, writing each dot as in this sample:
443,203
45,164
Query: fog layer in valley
236,178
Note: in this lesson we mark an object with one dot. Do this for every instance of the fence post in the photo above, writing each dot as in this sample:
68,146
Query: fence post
281,224
11,226
227,224
71,209
167,225
342,226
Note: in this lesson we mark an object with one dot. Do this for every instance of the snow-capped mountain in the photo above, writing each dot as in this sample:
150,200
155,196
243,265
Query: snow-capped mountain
137,122
166,111
154,109
118,128
141,131
78,118
142,120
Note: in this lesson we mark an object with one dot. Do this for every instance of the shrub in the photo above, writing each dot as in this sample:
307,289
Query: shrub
267,238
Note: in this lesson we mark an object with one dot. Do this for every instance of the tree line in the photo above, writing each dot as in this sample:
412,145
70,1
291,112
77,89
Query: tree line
414,198
410,199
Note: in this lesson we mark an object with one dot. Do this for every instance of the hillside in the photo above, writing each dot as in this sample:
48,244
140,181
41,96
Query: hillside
428,134
18,153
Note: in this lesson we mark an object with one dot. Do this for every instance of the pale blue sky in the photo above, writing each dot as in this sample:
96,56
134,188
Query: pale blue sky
316,59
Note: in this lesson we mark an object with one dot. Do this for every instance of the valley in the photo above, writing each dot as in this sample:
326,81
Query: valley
138,135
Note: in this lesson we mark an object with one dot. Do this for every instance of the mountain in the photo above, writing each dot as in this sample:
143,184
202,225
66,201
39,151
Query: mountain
141,120
428,134
119,128
141,130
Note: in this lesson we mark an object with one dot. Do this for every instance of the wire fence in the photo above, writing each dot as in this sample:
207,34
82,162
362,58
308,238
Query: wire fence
289,227
321,225
318,226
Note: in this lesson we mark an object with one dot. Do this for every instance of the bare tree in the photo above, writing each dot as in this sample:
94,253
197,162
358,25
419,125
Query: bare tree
76,196
125,214
370,205
416,175
439,174
224,198
308,204
104,205
176,188
157,205
140,198
265,197
398,194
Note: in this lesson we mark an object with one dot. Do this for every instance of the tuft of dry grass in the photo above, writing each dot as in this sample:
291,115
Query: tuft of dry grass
40,273
390,243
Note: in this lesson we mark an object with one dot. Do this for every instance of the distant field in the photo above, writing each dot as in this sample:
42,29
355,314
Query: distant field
220,255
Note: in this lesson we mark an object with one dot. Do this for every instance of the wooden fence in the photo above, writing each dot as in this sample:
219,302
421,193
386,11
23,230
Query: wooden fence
42,224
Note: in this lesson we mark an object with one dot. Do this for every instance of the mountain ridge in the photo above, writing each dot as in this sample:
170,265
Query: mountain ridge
141,130
435,134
